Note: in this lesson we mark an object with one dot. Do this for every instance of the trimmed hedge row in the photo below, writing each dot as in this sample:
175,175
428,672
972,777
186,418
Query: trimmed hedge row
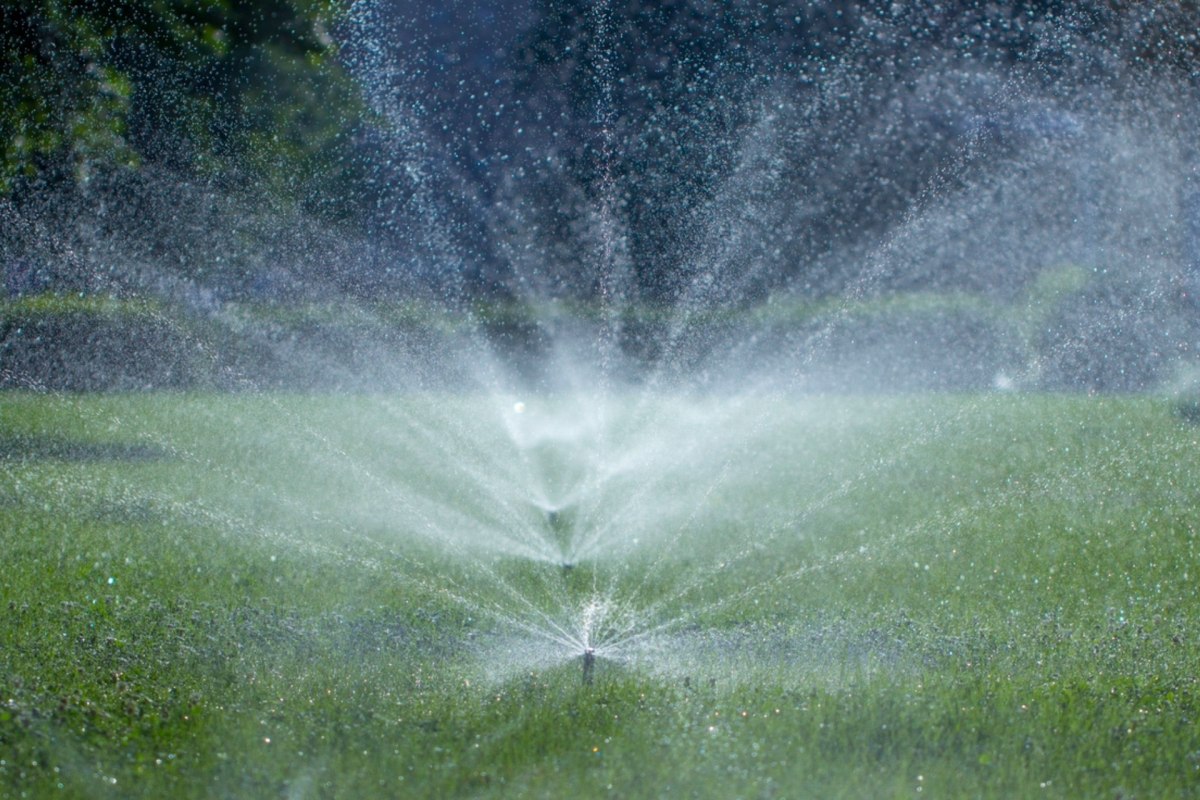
87,351
122,348
113,346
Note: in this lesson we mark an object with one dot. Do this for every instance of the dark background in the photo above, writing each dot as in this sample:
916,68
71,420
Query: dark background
666,154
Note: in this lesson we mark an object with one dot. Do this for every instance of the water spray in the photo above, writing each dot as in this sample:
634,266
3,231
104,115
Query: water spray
559,523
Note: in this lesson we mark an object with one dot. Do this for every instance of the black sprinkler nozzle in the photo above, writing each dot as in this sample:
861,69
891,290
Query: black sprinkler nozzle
589,664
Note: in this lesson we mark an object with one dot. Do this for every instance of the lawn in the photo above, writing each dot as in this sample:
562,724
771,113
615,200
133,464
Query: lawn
274,595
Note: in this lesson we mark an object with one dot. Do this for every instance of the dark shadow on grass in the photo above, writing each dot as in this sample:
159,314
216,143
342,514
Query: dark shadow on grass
24,446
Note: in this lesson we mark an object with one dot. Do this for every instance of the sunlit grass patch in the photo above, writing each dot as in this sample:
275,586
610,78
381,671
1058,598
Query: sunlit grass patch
979,595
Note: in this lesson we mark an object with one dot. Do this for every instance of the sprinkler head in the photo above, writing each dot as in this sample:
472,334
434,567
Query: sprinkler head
589,663
560,527
567,566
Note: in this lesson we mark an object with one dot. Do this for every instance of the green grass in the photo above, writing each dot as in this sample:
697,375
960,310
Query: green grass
976,596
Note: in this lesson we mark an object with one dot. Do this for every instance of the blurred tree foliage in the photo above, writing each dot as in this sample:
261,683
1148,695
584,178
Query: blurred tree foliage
210,87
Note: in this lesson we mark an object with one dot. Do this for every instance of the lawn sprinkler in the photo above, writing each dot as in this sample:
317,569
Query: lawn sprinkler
589,664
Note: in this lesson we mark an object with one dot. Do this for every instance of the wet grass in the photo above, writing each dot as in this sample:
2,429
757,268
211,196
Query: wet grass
246,597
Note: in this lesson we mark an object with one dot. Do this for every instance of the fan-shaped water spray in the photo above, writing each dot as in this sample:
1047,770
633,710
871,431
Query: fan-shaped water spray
796,352
591,482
